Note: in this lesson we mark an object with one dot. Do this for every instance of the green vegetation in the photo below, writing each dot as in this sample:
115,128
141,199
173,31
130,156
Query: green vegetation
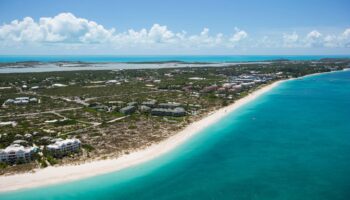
65,112
51,160
3,165
88,147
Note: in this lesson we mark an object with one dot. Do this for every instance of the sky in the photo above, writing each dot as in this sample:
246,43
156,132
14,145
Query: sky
157,27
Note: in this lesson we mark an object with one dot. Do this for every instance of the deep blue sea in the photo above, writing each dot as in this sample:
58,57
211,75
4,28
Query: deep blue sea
135,58
292,143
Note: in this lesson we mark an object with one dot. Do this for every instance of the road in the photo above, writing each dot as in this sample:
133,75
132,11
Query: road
43,112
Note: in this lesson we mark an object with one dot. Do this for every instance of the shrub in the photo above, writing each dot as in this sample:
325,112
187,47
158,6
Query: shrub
88,147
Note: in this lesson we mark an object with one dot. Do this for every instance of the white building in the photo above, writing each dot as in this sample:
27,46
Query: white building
63,147
34,88
10,123
16,153
112,82
3,156
59,85
21,100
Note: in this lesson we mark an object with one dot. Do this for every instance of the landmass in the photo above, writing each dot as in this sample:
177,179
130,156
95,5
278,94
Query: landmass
117,118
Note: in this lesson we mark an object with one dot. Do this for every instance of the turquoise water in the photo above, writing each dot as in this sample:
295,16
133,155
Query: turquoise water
291,143
204,58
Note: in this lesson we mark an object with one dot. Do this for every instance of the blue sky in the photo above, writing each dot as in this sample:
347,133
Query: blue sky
175,27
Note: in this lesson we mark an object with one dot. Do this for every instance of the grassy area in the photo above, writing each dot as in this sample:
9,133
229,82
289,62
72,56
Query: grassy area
100,138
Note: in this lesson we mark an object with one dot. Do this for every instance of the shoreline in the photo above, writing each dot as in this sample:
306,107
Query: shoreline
55,175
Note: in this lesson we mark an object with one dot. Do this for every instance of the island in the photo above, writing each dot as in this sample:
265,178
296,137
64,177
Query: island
74,117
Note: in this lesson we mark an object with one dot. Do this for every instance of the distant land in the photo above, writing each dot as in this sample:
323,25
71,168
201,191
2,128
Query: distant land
162,58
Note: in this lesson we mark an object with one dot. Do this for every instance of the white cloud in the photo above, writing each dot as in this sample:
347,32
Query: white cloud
314,35
238,35
70,32
266,41
160,33
345,38
64,27
203,39
156,34
290,40
346,33
313,39
331,41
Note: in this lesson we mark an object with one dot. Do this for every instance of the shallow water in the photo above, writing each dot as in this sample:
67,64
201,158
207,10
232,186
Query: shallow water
291,143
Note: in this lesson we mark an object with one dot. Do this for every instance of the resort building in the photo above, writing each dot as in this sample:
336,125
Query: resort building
128,110
10,123
64,147
145,109
20,142
113,82
58,85
210,88
170,105
177,112
150,104
3,156
21,101
17,153
100,107
132,103
34,88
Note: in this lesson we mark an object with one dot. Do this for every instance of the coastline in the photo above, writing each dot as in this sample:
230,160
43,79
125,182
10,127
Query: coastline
60,174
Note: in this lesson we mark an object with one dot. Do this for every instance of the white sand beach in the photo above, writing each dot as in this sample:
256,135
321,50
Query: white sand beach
54,175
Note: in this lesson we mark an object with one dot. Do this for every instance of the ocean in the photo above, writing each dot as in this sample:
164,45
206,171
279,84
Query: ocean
291,143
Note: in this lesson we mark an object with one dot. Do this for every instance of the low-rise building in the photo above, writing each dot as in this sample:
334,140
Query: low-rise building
17,153
222,90
45,140
196,78
20,142
3,156
63,147
9,101
34,88
210,88
151,103
132,103
177,112
116,103
21,100
169,105
248,84
99,107
59,85
128,110
33,100
113,82
145,109
10,123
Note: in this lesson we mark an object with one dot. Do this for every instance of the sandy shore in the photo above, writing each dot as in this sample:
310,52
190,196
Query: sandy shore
53,175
